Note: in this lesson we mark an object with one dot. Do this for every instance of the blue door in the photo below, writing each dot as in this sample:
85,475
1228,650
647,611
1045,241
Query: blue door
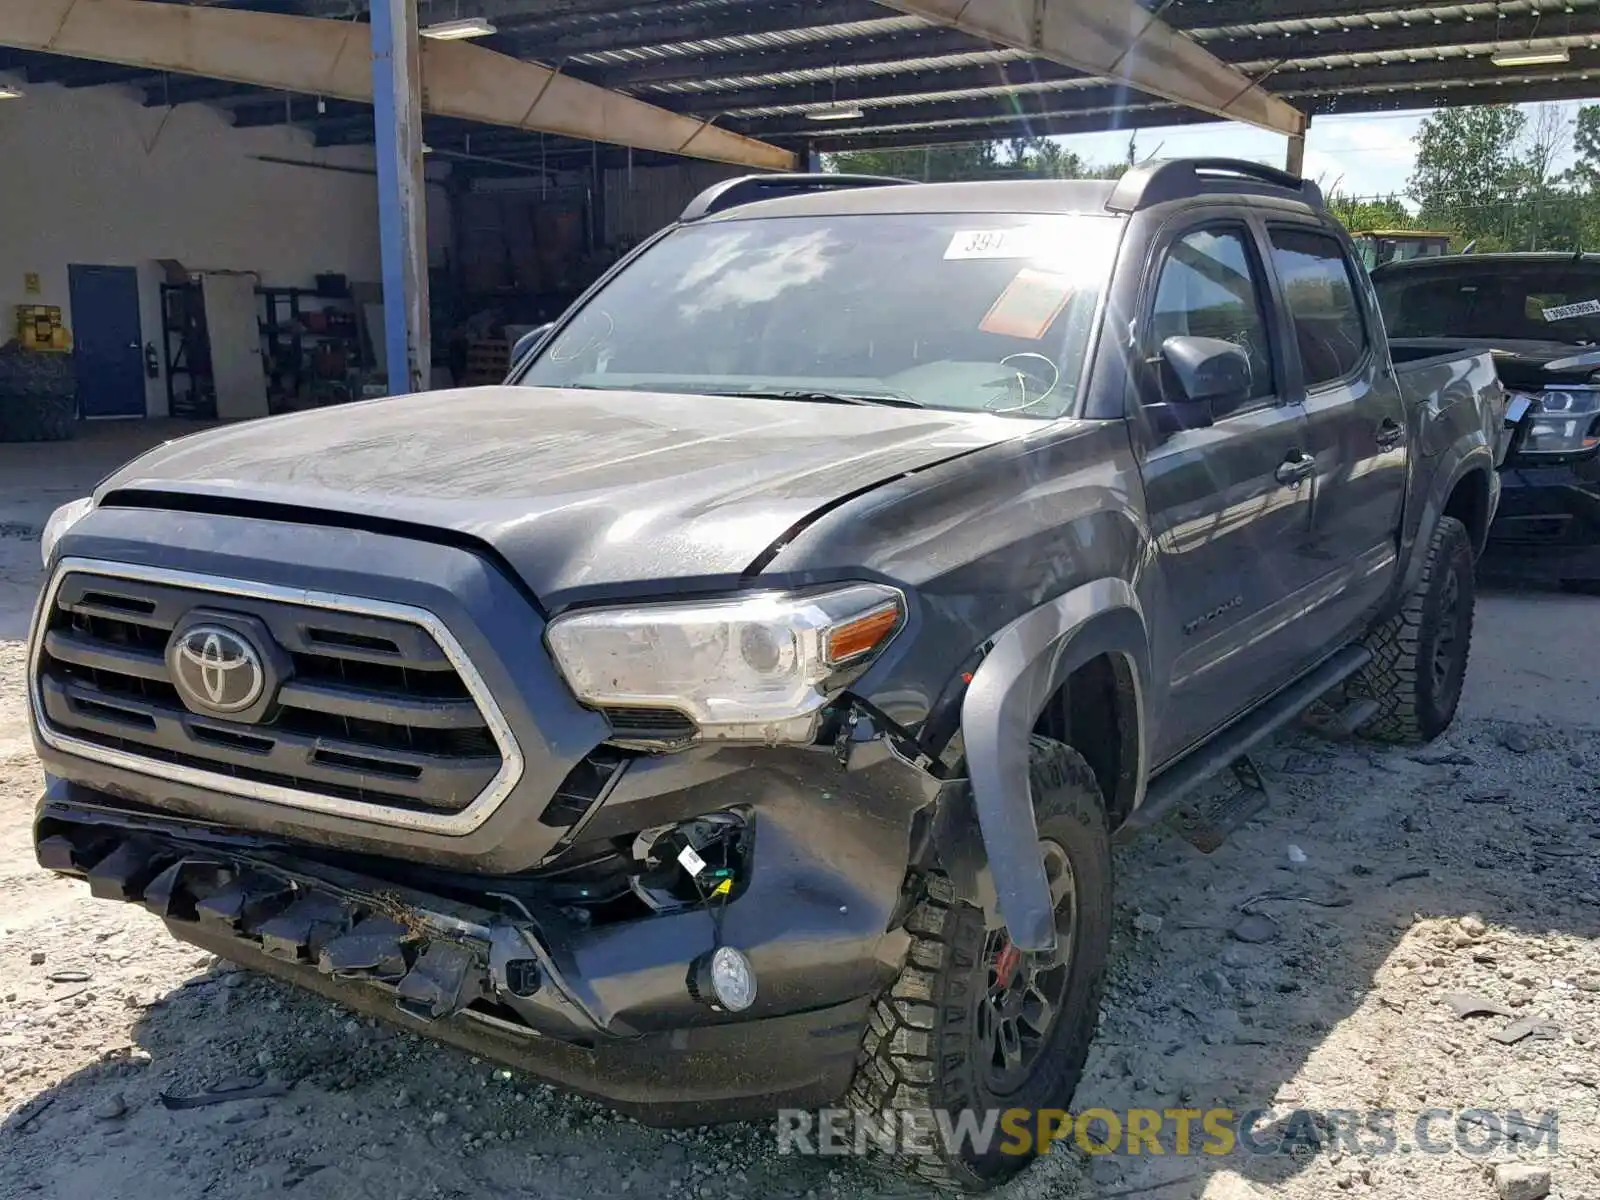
106,340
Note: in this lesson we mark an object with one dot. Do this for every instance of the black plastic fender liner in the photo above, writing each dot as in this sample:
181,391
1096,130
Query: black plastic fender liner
1455,463
1029,661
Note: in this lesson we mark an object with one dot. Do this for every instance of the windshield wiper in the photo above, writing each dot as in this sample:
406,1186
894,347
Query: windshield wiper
886,399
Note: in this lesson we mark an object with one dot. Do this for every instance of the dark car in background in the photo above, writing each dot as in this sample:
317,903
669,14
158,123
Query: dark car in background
1539,315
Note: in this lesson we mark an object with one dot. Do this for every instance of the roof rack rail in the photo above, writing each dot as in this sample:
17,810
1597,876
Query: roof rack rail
1181,178
747,189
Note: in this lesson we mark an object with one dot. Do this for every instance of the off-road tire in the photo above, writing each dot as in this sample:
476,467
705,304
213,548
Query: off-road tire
1400,677
919,1051
37,418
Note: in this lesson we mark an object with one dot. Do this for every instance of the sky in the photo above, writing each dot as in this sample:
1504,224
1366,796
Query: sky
1368,155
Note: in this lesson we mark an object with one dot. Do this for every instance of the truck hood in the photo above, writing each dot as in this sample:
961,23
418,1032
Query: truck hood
581,491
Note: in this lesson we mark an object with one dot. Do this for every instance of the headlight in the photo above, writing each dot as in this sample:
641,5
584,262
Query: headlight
758,667
1564,422
63,519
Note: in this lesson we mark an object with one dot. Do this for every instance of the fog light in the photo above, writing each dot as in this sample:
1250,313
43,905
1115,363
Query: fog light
723,979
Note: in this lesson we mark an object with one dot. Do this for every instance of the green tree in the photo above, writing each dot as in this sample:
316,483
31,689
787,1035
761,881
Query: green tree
1014,158
931,164
1585,173
1489,175
1468,171
1384,212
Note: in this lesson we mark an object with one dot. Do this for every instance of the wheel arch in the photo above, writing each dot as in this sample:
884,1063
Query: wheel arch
1030,662
1463,478
1469,503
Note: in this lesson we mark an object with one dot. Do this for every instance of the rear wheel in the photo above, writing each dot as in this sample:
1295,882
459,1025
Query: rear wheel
1419,656
972,1024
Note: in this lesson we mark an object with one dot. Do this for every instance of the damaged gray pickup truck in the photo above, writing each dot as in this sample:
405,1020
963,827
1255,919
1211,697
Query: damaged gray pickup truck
734,710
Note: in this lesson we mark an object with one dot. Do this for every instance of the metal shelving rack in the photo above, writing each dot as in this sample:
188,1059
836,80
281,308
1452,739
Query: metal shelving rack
187,352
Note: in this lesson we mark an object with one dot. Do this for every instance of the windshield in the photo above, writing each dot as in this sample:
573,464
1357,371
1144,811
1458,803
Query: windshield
1542,302
964,311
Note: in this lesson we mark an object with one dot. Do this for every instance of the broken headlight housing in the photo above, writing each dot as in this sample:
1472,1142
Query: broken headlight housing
1565,424
757,667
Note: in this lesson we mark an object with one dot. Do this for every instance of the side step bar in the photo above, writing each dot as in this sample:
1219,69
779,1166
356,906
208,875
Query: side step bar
1238,739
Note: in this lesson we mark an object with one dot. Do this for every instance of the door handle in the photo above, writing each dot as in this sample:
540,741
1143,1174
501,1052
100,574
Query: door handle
1296,469
1389,434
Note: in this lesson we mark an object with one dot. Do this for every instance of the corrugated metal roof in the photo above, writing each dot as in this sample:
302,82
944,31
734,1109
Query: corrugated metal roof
961,122
1508,79
1020,87
1444,14
872,70
755,41
1390,58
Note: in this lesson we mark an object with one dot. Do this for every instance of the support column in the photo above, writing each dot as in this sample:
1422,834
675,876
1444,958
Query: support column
402,193
1295,163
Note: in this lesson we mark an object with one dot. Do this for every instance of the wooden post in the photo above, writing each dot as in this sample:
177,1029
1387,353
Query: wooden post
1295,160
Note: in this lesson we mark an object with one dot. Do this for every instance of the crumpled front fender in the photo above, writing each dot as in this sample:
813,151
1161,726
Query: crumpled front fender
1031,658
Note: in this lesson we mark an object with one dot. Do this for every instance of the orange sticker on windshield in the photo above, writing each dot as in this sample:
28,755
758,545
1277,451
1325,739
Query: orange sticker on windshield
1029,306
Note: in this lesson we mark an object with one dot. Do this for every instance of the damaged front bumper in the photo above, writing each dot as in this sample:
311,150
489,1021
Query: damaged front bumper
603,1009
1547,529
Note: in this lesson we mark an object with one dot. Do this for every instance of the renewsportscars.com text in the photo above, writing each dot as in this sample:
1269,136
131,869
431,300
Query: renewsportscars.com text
1170,1131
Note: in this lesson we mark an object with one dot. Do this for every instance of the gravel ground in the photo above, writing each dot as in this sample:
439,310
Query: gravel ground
1400,877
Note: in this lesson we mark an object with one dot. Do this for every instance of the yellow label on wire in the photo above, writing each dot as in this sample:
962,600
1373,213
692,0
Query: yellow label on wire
723,888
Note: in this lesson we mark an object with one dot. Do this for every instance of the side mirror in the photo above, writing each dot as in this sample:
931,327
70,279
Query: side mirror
1207,370
528,341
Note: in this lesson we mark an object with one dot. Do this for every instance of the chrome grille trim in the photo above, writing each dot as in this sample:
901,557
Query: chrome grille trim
453,824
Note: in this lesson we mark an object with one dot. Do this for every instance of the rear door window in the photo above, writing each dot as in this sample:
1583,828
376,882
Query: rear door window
1320,290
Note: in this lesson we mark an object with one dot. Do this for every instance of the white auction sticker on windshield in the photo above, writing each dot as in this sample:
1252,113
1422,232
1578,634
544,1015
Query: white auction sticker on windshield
1021,241
1562,312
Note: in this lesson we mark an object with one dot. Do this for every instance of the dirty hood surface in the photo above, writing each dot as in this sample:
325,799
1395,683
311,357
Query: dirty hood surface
579,490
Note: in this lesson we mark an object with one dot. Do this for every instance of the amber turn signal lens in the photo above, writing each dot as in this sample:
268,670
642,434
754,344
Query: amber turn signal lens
857,637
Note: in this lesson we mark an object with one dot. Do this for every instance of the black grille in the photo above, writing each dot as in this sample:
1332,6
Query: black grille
659,726
371,709
581,788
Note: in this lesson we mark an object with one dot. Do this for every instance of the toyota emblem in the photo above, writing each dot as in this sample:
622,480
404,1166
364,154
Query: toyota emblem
217,670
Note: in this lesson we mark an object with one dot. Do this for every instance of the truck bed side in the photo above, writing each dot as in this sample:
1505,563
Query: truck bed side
1455,411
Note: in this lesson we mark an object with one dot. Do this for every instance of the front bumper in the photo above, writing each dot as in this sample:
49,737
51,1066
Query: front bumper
603,1009
1547,529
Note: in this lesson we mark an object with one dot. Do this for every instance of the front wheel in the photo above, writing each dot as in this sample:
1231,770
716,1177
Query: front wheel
1419,656
973,1026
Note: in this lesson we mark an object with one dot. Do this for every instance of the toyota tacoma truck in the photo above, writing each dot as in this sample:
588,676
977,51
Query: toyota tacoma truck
734,710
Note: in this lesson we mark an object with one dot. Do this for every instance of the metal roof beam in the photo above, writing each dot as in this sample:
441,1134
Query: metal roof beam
1418,39
1116,38
882,48
334,58
1408,99
188,89
1106,109
1156,114
1435,73
668,24
51,68
1192,14
1001,75
1305,53
298,110
1014,110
